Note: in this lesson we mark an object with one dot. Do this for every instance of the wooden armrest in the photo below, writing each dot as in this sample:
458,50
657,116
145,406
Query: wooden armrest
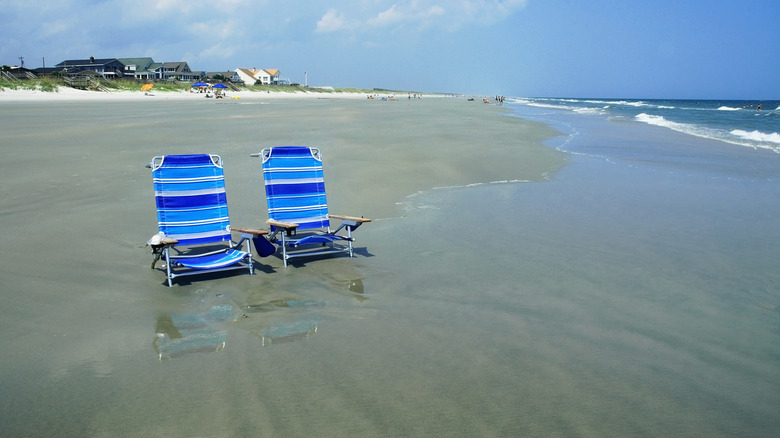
251,231
157,248
349,218
281,224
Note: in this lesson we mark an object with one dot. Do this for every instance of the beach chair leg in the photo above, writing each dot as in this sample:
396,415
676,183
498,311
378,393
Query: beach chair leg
349,237
168,266
284,248
247,238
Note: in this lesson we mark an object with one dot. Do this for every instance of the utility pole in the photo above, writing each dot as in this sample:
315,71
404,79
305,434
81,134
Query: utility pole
21,60
305,80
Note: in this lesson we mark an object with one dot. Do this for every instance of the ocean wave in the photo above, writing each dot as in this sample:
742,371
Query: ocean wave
757,136
561,104
661,121
587,105
728,108
753,139
538,104
588,110
630,103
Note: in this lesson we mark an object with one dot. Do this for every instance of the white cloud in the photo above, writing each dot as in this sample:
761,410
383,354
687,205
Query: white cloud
215,28
490,11
364,15
332,21
217,51
386,17
55,27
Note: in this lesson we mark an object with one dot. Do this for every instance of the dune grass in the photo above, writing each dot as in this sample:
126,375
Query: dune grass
52,84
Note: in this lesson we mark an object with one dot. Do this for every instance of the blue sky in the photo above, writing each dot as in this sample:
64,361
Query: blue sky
562,48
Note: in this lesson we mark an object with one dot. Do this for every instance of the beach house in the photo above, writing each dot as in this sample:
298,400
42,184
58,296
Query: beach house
107,67
140,68
255,76
220,76
179,71
145,69
137,68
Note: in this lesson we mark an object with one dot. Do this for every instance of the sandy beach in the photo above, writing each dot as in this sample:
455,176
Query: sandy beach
78,207
72,94
504,288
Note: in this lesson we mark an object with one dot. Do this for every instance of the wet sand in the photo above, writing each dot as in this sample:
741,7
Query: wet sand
82,309
627,289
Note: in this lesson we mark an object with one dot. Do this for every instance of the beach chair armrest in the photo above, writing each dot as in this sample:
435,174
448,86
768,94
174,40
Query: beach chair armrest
250,231
165,242
279,224
157,248
349,218
169,241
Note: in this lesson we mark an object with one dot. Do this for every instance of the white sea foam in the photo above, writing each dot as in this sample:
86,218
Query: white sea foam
588,110
660,121
757,136
753,139
728,108
547,105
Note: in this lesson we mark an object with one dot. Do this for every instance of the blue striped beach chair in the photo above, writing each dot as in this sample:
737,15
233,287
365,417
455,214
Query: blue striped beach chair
297,206
192,214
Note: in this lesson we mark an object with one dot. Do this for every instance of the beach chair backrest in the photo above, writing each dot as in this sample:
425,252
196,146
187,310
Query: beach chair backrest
295,186
190,194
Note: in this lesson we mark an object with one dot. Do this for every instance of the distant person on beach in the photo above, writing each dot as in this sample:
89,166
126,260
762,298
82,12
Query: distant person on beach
758,108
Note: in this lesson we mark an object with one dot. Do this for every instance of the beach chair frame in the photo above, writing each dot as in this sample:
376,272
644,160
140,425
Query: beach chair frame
295,195
195,234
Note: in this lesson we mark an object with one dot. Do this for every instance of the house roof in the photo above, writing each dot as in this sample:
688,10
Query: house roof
272,71
139,62
229,73
86,62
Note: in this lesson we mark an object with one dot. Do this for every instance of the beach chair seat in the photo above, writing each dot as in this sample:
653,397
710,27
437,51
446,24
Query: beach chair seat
192,215
297,205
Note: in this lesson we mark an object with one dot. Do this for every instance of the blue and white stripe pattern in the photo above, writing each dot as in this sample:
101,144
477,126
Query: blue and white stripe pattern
295,186
190,195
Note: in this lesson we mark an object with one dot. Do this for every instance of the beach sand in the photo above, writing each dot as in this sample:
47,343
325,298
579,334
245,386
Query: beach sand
83,311
504,288
379,152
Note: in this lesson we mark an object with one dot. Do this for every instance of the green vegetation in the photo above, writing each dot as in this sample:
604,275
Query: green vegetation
53,83
44,84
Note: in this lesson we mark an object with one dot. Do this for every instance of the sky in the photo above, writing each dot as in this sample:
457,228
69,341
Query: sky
677,49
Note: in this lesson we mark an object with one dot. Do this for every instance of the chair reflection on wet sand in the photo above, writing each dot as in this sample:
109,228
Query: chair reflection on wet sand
181,334
283,320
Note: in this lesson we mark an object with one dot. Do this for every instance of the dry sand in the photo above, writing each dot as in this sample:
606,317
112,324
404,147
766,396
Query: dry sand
72,94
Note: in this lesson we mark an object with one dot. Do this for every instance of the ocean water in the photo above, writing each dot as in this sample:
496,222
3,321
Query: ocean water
739,122
635,293
632,292
666,219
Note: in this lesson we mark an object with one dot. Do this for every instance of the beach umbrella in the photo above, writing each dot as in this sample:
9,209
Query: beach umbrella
146,87
220,86
200,84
